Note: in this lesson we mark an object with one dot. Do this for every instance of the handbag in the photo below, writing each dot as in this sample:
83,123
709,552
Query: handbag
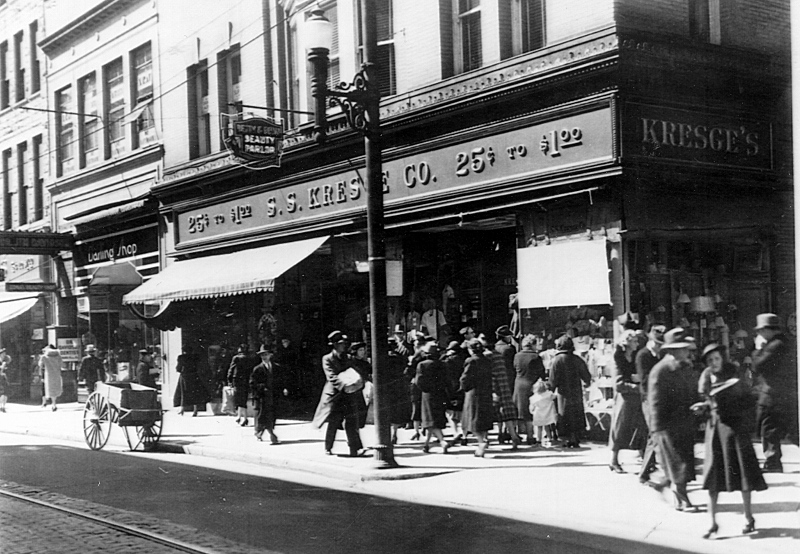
351,380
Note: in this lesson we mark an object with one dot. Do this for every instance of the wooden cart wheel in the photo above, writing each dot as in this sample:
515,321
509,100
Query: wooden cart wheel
97,416
145,436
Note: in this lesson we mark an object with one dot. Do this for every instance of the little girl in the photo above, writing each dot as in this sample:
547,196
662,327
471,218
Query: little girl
543,408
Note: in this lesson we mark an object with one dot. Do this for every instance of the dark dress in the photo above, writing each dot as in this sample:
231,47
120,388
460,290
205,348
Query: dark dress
567,372
397,389
414,394
454,367
506,410
529,369
671,393
628,428
730,463
476,382
432,383
191,391
263,390
239,377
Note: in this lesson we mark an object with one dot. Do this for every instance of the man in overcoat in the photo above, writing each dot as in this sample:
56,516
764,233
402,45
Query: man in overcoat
566,374
775,371
646,359
335,405
92,369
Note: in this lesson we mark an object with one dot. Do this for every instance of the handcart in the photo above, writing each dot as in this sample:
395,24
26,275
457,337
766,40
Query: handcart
133,407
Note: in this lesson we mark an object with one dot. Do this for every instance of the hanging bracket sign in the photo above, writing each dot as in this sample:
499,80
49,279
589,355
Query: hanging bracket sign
257,139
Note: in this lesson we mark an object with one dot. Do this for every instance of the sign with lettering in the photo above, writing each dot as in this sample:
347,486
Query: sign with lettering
660,133
31,287
21,267
456,173
70,349
22,242
117,247
257,139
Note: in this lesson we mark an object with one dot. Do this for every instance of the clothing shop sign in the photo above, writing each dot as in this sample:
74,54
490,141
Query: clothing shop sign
697,137
118,247
474,169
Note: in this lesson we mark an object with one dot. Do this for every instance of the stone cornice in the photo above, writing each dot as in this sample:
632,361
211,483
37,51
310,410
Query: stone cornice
86,23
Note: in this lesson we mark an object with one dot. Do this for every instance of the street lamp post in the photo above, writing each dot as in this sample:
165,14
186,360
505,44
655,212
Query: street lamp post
360,102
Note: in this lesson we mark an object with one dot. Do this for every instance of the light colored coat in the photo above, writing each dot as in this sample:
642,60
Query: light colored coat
50,365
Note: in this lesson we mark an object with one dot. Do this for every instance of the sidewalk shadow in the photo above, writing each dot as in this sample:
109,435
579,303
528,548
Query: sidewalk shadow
775,533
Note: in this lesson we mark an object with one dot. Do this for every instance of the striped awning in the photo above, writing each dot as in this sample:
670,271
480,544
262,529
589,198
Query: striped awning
246,271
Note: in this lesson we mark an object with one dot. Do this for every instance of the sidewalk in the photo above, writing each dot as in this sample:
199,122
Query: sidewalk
565,489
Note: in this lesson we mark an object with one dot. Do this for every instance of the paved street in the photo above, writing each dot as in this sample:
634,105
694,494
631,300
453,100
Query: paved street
531,495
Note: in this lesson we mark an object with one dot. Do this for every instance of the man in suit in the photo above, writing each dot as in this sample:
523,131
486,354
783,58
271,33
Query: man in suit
646,358
335,405
775,371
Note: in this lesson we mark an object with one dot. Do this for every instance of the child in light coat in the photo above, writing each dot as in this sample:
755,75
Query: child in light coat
543,408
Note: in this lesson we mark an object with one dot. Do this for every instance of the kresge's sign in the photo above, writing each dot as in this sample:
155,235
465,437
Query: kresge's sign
257,139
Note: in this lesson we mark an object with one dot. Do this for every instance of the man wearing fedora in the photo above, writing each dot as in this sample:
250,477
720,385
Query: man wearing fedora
775,371
672,389
335,405
646,358
91,369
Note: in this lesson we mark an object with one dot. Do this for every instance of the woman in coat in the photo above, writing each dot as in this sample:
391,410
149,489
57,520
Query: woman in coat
476,382
191,391
628,428
566,374
50,369
730,462
262,388
242,365
671,392
358,361
397,386
453,360
432,382
529,369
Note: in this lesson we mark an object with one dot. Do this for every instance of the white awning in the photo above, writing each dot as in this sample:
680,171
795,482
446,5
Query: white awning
571,273
246,271
13,304
136,112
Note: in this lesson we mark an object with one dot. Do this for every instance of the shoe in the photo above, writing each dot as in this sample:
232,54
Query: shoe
750,527
328,453
194,414
358,453
772,469
180,412
658,487
259,438
244,423
238,420
274,440
415,437
682,502
426,448
445,447
464,441
514,444
55,408
616,468
503,438
480,452
531,441
711,533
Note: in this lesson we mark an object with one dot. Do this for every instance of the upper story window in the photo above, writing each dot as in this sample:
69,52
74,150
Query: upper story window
142,81
199,117
114,107
704,21
4,80
88,123
65,131
19,70
385,31
468,35
36,177
529,26
229,77
22,184
34,57
8,223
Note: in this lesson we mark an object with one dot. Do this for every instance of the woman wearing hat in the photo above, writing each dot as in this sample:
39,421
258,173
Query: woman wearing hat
358,361
730,462
628,429
50,365
262,388
191,391
476,382
242,365
671,393
529,368
335,404
453,360
566,374
432,383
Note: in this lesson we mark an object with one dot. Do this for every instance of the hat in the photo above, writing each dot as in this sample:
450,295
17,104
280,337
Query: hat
142,351
465,330
454,345
767,321
657,333
356,345
90,348
265,350
503,331
676,338
564,344
336,337
713,347
398,329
